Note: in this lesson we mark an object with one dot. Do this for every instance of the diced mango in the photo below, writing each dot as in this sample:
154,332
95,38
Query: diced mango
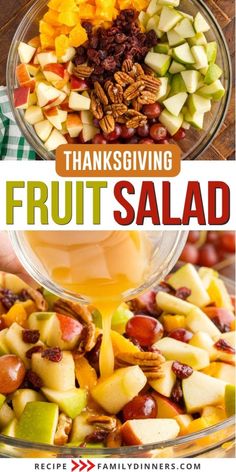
121,344
61,45
46,28
69,18
78,36
140,5
85,373
35,42
54,4
124,4
47,42
51,17
87,12
16,314
171,322
68,5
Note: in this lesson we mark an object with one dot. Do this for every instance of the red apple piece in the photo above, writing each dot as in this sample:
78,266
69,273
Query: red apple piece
74,125
33,115
55,140
21,97
53,72
54,117
22,74
26,52
165,407
46,94
43,129
78,84
70,327
137,432
31,84
32,69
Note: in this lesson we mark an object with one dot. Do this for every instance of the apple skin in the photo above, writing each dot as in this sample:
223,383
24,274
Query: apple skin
147,431
56,69
165,407
70,327
78,84
21,97
22,74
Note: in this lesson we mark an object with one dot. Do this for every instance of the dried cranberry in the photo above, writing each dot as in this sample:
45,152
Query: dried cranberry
183,293
120,38
223,327
109,63
151,39
97,436
177,392
33,350
223,345
182,371
53,354
23,296
30,336
34,379
87,26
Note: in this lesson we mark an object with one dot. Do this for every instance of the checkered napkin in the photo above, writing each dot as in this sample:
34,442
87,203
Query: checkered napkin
12,144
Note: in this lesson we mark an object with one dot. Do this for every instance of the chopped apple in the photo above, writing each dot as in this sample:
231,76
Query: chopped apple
175,103
55,140
21,97
3,345
43,129
81,428
218,294
153,8
88,132
222,371
32,69
138,432
33,115
169,17
45,58
204,341
197,320
201,390
215,91
78,85
114,392
158,62
174,39
16,345
46,94
74,125
217,411
23,396
38,422
69,54
86,117
230,337
163,90
71,402
200,24
183,422
26,52
165,407
230,400
183,54
22,74
196,119
79,102
200,56
185,28
178,351
191,79
198,104
176,67
165,384
187,276
6,415
211,50
55,375
171,122
33,99
64,332
10,430
53,117
53,72
172,304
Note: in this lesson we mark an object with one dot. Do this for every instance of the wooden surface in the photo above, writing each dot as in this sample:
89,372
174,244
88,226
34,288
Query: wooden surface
223,147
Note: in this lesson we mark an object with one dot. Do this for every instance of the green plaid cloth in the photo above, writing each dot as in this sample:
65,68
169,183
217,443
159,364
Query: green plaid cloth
12,144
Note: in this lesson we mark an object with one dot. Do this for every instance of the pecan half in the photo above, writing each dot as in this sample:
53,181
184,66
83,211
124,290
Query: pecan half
152,84
136,121
87,341
137,69
123,79
81,312
133,90
127,66
116,110
115,93
100,93
114,438
149,362
147,98
37,298
107,423
83,71
137,106
96,106
63,430
107,124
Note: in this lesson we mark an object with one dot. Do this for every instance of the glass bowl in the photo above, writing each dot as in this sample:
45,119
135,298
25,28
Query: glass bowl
195,142
167,247
217,441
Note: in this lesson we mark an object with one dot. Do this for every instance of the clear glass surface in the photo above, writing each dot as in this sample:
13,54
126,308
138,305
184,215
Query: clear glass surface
195,142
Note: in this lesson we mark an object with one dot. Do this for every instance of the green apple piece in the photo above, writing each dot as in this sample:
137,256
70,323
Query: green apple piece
162,48
187,276
42,321
23,396
169,3
120,318
191,79
203,72
2,399
185,28
197,320
177,85
183,54
174,39
176,67
186,15
80,428
204,341
200,390
38,422
153,8
168,19
165,384
143,18
230,400
171,122
175,103
222,371
55,375
196,120
200,24
200,57
211,50
6,415
198,104
214,72
15,343
178,351
215,91
158,62
50,297
10,429
150,430
153,23
3,345
172,304
71,402
113,392
198,40
163,89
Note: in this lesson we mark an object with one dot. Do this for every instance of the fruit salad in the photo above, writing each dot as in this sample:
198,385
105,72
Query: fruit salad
117,71
174,372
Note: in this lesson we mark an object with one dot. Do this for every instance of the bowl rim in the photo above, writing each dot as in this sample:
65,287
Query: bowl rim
63,451
38,146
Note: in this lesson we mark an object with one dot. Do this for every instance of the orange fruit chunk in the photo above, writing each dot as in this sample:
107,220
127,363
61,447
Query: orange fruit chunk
51,17
87,12
68,18
61,45
77,36
54,4
68,5
46,28
47,42
140,5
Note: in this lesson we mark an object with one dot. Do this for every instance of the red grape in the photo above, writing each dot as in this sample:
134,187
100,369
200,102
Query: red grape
221,317
181,133
227,240
158,132
143,131
181,334
189,254
127,133
99,139
12,373
145,329
152,110
213,237
208,255
193,236
114,134
146,141
141,407
134,140
2,323
163,141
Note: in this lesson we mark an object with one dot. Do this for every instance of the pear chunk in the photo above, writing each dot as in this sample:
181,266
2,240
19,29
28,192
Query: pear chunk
178,351
200,390
135,432
113,392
